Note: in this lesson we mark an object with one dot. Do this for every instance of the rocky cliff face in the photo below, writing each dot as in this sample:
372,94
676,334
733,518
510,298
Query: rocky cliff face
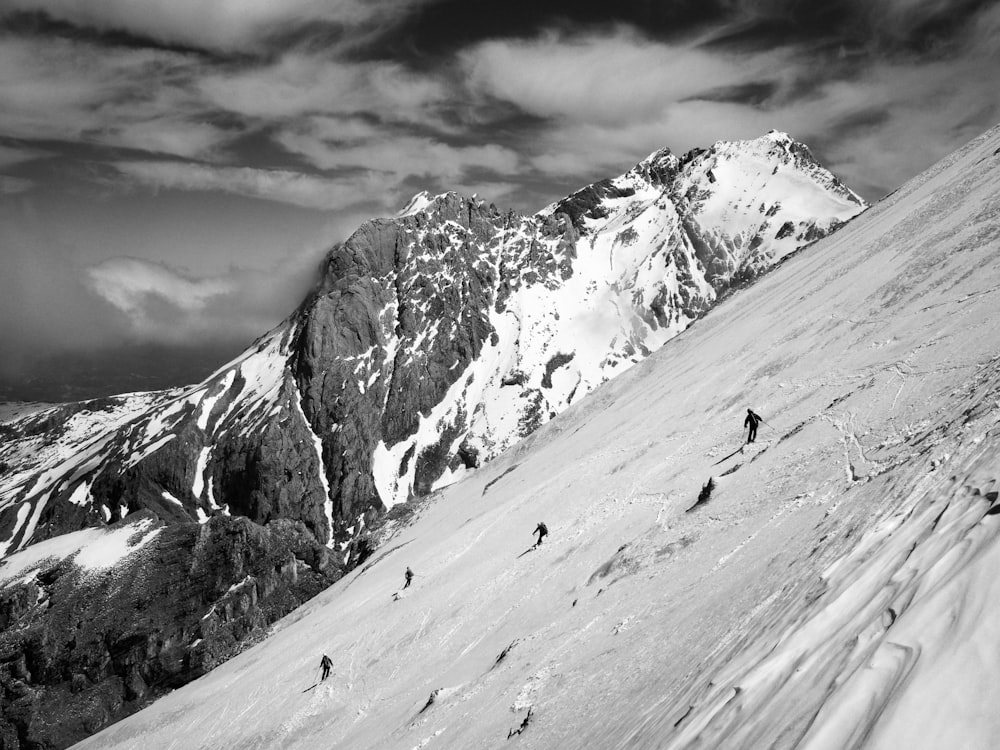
89,638
434,341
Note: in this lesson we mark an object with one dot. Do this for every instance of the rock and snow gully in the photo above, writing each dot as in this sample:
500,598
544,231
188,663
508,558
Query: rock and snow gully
837,589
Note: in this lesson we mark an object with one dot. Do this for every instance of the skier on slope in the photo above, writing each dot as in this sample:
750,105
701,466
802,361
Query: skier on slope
751,421
409,577
326,664
541,529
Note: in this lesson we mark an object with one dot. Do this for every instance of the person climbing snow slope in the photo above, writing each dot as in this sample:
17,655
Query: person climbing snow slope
751,421
326,664
541,529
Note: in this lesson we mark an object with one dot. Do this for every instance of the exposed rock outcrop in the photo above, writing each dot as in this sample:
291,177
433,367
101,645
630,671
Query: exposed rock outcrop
81,648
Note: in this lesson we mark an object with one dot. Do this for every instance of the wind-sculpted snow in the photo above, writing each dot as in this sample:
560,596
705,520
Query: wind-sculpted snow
836,589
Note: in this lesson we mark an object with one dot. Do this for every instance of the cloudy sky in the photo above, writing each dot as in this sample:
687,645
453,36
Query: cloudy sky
171,171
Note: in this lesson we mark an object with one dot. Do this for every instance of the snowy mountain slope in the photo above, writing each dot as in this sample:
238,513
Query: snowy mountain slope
835,590
435,341
95,462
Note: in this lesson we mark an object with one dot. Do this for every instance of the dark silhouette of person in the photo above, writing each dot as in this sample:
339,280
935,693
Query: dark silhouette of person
751,421
409,577
541,529
326,664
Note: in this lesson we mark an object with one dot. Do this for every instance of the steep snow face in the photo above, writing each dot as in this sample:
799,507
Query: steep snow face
771,188
836,589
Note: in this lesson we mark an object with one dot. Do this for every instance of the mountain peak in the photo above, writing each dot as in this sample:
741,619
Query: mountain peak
417,203
660,157
424,202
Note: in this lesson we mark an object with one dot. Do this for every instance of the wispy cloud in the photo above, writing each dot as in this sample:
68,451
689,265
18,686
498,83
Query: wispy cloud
11,155
50,302
607,97
401,156
163,305
14,185
283,186
221,24
609,79
60,89
302,83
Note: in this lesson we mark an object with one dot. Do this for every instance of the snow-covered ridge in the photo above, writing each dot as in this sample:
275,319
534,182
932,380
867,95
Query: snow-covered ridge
417,203
631,262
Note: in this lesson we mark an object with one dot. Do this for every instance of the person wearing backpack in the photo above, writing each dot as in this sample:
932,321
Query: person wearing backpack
541,529
752,421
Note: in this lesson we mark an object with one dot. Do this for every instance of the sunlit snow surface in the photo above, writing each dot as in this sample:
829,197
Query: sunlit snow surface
838,589
89,549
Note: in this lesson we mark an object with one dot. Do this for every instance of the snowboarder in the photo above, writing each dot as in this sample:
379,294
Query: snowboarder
409,577
751,421
326,664
541,529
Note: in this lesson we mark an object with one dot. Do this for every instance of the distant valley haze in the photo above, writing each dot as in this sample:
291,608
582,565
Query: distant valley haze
172,173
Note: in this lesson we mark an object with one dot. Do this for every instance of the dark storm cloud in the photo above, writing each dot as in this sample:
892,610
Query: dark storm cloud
438,29
229,26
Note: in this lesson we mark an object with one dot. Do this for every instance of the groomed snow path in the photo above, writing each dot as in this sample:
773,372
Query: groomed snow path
838,589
